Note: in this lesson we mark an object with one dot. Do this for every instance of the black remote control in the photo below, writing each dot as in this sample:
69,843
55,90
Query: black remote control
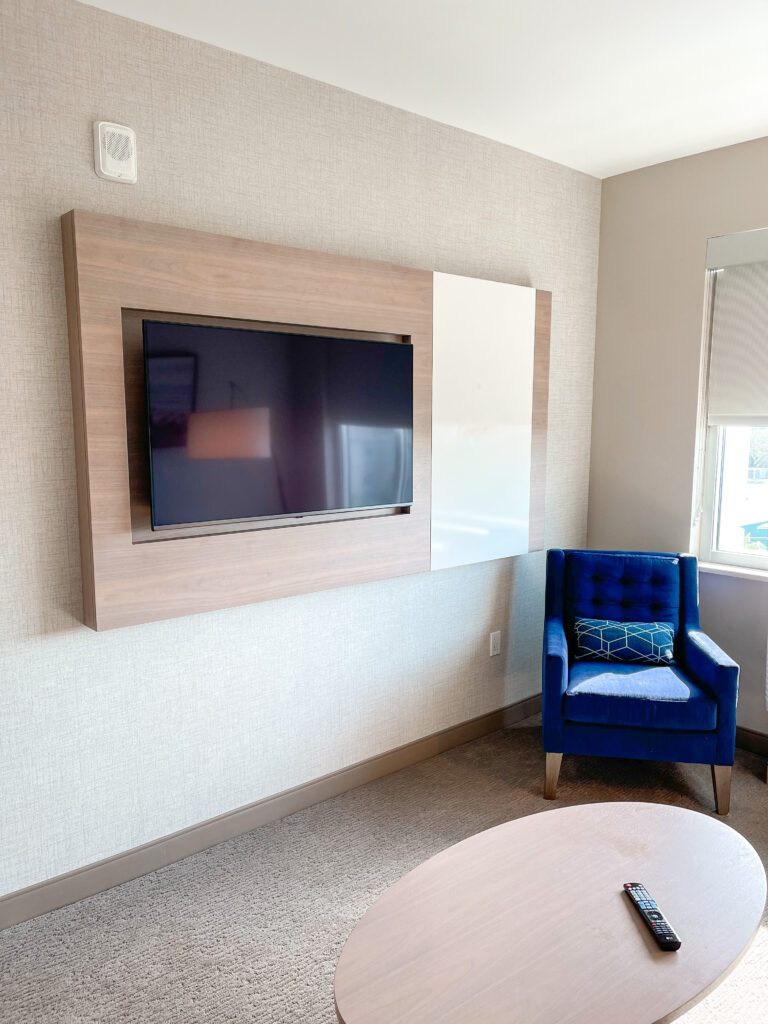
657,924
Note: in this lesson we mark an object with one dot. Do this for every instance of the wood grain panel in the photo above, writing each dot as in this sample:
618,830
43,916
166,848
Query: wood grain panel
542,330
113,264
78,417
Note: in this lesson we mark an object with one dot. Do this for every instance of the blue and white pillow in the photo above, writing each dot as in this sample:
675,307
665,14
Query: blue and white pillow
605,640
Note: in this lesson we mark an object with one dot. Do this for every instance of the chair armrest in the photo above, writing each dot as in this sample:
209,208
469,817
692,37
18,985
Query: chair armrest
710,666
554,682
555,644
715,672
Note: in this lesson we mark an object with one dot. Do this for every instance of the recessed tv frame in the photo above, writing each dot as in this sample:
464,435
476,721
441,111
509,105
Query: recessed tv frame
252,424
114,265
115,268
138,432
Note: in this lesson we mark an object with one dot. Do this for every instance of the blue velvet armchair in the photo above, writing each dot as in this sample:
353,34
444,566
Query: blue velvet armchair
684,710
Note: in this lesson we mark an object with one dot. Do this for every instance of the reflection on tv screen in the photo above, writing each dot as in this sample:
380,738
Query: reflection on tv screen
247,424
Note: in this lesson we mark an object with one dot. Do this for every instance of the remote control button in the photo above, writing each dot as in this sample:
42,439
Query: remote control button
649,910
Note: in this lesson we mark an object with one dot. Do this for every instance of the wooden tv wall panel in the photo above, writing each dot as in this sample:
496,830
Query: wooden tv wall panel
114,265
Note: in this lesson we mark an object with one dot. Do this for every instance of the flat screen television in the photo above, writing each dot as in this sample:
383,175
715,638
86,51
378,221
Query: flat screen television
249,424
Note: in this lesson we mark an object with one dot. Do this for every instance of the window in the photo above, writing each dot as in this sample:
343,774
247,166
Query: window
738,525
734,506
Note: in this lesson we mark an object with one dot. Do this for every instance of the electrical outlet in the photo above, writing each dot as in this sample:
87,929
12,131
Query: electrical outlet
495,643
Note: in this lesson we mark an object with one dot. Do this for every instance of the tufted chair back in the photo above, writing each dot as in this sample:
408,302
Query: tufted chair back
629,587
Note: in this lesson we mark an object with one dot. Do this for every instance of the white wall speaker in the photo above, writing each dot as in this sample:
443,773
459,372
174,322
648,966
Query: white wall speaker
114,152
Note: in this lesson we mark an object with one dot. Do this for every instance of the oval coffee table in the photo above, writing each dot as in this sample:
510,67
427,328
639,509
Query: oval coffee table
527,923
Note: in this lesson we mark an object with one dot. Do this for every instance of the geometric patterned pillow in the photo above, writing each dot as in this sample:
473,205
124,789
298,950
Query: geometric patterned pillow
605,640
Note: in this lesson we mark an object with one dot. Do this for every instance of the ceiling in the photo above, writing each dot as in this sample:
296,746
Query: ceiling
603,86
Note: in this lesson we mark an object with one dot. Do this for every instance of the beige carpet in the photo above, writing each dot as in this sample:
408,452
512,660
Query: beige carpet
251,930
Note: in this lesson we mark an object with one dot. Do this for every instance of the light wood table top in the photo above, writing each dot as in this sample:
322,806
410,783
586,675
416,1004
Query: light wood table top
527,923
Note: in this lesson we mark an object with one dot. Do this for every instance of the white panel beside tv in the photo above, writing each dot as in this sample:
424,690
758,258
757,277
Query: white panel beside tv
482,403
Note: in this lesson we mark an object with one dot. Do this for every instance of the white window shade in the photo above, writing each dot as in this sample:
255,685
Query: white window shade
738,370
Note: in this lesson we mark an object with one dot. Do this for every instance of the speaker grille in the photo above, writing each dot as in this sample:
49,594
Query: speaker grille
114,152
118,145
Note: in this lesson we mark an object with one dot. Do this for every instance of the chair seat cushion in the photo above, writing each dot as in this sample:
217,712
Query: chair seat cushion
659,696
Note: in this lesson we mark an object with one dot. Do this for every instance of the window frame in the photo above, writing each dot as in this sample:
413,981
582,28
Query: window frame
713,471
722,251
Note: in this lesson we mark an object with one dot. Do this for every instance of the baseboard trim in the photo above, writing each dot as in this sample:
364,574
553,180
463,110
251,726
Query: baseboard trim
750,739
104,874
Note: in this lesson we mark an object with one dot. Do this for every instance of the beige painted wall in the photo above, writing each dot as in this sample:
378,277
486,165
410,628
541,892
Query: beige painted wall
111,740
654,229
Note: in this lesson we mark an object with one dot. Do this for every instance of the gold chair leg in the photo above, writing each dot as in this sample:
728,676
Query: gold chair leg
551,774
721,781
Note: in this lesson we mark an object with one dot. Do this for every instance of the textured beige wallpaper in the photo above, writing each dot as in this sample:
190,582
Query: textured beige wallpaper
111,740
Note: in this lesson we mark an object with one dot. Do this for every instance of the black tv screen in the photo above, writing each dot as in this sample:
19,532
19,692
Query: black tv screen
247,424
